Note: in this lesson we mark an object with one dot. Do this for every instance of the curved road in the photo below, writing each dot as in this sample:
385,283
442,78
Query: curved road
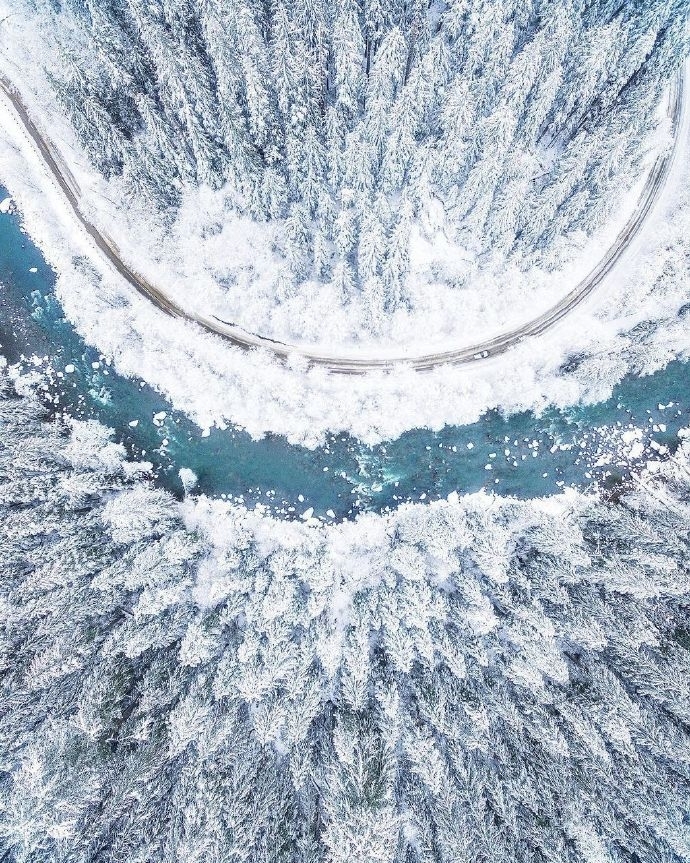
360,364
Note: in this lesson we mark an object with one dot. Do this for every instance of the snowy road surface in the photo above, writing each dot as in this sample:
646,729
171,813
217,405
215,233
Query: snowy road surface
360,363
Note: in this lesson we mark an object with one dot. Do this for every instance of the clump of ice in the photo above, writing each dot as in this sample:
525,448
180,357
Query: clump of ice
188,478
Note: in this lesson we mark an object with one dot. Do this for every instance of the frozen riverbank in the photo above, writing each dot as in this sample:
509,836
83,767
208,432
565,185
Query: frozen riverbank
168,653
523,454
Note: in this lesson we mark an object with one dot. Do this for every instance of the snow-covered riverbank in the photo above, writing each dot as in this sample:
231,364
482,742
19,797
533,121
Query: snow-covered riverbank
635,326
215,384
171,653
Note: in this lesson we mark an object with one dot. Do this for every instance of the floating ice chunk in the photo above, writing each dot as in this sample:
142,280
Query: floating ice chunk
159,417
69,368
5,205
330,513
188,478
133,423
206,432
33,269
308,513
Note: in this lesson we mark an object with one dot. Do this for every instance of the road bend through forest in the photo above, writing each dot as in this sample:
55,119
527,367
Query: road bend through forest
359,363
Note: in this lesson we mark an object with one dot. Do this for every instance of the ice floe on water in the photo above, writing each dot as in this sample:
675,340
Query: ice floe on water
189,478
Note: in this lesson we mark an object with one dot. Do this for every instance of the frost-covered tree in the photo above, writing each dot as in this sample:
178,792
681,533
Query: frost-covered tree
484,679
524,118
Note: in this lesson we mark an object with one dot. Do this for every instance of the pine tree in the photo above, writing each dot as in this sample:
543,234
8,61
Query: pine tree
280,103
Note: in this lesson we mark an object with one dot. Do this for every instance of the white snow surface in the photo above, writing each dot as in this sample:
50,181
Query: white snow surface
351,552
216,384
213,261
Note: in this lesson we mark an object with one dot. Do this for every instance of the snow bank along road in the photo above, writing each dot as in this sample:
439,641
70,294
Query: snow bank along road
360,363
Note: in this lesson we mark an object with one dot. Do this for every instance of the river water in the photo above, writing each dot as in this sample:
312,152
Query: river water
523,455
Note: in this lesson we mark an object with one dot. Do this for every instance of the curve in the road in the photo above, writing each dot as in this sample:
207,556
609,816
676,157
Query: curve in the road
361,364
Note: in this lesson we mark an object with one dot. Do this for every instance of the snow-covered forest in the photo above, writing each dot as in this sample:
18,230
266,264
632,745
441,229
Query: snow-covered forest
362,131
482,679
475,679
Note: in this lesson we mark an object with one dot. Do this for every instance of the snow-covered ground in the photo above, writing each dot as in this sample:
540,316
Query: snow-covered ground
215,262
217,384
212,261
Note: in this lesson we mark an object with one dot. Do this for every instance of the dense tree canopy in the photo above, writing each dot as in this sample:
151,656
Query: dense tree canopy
479,680
515,119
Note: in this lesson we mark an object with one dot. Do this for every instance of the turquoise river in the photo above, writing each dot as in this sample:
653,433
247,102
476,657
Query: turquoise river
523,454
